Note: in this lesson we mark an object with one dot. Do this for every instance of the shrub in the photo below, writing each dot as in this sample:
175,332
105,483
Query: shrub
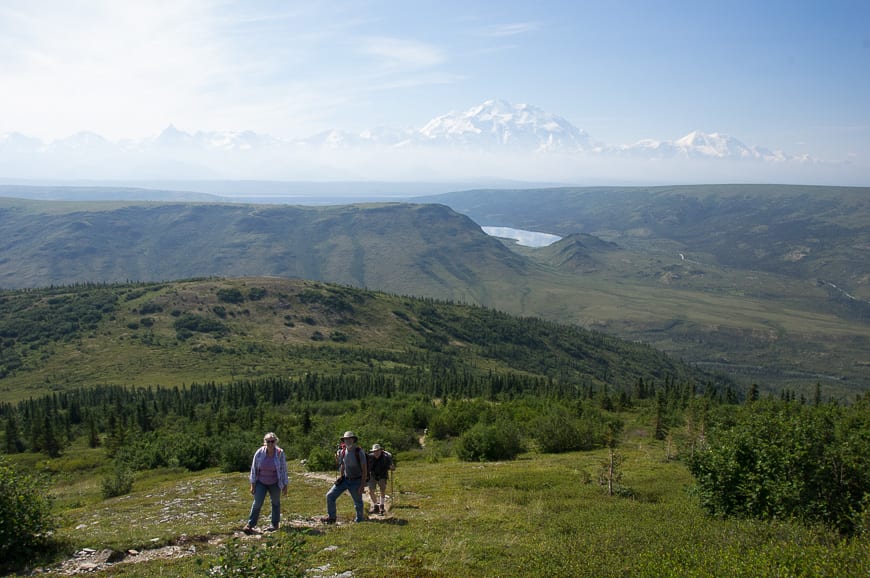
235,456
26,521
150,308
189,322
320,459
232,295
280,555
558,432
256,293
194,454
119,483
483,442
782,460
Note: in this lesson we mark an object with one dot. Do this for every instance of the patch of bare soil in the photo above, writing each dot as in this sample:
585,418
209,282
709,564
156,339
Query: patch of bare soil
90,560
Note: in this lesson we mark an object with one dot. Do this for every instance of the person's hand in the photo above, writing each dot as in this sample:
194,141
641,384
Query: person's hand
284,490
253,487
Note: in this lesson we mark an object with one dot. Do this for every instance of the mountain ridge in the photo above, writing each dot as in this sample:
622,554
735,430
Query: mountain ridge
768,282
495,127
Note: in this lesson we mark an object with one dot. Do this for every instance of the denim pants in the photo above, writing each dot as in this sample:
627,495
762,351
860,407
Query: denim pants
259,497
353,488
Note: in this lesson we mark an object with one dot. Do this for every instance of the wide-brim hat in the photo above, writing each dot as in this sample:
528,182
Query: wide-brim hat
349,434
376,447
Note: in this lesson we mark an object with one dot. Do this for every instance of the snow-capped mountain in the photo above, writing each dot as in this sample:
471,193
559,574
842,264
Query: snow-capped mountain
342,139
15,142
493,125
441,146
700,145
174,138
81,143
501,124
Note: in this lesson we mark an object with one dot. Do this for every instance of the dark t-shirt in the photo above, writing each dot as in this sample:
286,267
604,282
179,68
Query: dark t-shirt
379,468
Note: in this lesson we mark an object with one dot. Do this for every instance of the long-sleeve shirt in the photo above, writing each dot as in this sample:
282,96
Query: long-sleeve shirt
280,461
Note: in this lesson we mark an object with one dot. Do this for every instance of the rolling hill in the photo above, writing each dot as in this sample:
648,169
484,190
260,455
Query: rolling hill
765,283
803,232
222,330
409,249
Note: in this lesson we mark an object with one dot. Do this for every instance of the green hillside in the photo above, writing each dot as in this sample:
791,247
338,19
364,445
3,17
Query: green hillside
136,408
425,250
764,283
770,283
227,329
803,232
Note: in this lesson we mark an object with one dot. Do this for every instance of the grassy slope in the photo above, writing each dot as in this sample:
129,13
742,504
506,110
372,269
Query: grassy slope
744,297
406,249
541,515
754,325
290,331
771,323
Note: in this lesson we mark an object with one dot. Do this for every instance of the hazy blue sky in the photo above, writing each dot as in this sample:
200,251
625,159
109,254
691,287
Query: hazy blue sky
790,75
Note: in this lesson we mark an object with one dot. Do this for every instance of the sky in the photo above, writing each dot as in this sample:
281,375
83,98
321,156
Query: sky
787,75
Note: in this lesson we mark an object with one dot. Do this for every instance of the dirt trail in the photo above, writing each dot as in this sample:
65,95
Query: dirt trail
90,560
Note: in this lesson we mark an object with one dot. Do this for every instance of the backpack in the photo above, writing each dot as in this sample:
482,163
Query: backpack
360,456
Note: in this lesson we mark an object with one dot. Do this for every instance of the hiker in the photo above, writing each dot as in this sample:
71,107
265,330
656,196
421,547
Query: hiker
380,464
268,474
352,470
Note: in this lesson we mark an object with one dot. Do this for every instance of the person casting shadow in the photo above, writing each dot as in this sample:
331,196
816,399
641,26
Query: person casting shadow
352,470
268,474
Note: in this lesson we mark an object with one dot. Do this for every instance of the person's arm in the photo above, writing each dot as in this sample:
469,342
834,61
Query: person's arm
283,476
253,476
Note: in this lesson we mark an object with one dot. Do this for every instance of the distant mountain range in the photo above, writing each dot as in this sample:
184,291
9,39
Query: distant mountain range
768,281
493,127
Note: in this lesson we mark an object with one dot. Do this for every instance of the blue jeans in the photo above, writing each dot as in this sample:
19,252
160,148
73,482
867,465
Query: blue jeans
353,488
260,497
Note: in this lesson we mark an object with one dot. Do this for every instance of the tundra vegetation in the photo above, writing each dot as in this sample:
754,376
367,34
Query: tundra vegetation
523,447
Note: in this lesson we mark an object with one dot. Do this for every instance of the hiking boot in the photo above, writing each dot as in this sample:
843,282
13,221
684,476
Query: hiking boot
382,510
374,509
247,529
327,520
271,529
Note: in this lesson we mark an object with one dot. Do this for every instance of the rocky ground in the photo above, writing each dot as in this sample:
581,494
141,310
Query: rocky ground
92,560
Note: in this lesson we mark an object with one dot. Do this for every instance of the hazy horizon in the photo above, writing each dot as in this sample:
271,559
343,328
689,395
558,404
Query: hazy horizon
782,85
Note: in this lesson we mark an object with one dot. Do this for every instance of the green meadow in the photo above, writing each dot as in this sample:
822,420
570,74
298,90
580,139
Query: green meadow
538,515
524,447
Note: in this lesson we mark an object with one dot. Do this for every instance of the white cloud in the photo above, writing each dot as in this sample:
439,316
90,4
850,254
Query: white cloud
402,53
513,29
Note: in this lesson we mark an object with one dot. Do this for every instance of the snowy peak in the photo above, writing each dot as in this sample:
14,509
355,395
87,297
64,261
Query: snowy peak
700,145
496,122
19,143
445,143
713,145
173,138
82,142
